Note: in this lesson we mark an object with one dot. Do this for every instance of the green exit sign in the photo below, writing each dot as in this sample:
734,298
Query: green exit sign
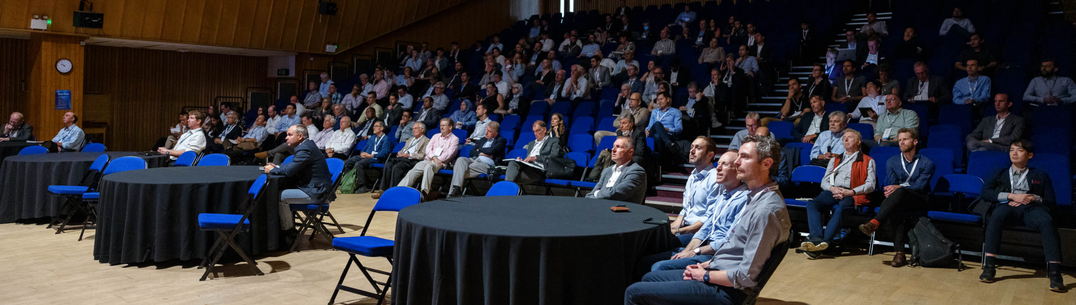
282,72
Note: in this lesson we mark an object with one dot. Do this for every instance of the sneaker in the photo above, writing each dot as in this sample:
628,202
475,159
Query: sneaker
868,228
361,190
819,247
812,255
988,275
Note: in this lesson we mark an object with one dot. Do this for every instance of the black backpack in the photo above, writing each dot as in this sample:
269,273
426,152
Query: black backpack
931,249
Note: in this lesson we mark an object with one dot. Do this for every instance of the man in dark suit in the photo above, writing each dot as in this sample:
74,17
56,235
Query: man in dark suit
812,123
17,130
926,87
1023,193
465,87
539,152
987,136
555,91
626,130
488,152
679,75
625,181
428,115
310,170
231,131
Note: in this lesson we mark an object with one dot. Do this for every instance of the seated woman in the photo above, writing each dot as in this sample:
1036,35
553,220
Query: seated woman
494,100
465,118
558,129
516,104
849,180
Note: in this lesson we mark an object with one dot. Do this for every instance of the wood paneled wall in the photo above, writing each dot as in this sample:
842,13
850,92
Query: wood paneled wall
148,88
292,25
44,51
14,76
608,6
465,23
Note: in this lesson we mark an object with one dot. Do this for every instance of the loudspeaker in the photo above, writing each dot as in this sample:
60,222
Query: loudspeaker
327,8
89,20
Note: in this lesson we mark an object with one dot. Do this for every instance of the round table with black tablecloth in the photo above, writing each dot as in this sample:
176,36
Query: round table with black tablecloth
24,180
12,148
521,250
152,215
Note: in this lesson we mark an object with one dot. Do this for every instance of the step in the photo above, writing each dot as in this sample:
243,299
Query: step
864,18
722,136
670,188
674,176
665,201
766,104
879,14
857,24
781,90
774,98
802,67
800,73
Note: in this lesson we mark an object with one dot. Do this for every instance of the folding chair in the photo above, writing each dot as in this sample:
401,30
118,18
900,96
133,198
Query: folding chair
776,256
94,147
120,164
314,210
503,188
214,160
73,193
228,226
186,159
394,199
33,150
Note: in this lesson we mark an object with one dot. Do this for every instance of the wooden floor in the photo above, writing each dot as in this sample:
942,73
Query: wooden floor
37,267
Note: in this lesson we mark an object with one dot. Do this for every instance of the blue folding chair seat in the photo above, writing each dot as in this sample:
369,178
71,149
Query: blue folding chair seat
91,196
228,226
795,203
213,221
311,211
68,189
364,245
955,217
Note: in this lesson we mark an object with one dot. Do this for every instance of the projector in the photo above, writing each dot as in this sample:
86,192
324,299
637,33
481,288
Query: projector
89,20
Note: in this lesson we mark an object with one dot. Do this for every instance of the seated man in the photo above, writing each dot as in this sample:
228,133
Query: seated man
849,180
894,118
192,140
734,269
974,89
288,118
727,200
250,141
428,115
665,126
481,124
440,151
1050,89
71,137
626,181
378,147
906,195
539,151
342,141
811,123
829,143
635,112
231,132
413,152
173,133
309,168
626,129
321,139
998,131
752,123
927,88
701,184
17,130
488,152
1023,193
848,90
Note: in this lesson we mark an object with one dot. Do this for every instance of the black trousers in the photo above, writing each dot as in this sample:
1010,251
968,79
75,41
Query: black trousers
395,170
899,212
1035,216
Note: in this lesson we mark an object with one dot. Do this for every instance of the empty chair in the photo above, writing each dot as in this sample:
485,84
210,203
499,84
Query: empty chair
73,193
606,143
948,137
881,155
959,115
214,160
943,163
781,129
805,174
504,188
805,151
94,147
33,150
581,143
985,166
287,160
393,200
186,159
582,125
117,165
227,227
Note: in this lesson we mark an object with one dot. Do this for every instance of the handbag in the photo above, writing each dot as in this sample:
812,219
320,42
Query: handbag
559,168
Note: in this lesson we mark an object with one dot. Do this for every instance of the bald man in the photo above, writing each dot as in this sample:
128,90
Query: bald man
71,137
16,129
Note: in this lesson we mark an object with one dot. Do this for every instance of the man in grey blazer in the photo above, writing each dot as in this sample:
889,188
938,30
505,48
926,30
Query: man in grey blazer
598,75
539,151
17,130
626,181
998,131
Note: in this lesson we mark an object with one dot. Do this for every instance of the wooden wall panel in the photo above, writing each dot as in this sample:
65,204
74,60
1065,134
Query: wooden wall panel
14,77
148,87
44,51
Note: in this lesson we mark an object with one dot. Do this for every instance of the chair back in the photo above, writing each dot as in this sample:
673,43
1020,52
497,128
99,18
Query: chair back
33,150
287,160
1057,167
256,188
606,143
581,142
961,183
864,129
881,156
808,173
776,256
461,134
123,164
581,159
943,163
805,151
336,167
393,200
214,160
94,173
518,152
186,159
781,129
503,188
99,163
94,147
986,166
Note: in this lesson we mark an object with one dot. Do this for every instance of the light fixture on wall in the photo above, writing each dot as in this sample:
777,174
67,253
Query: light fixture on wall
40,23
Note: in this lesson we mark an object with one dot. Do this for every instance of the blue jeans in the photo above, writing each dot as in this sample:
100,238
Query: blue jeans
685,239
679,264
824,203
669,287
287,221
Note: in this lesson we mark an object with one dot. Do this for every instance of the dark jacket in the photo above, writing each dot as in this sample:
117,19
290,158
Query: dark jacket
1011,130
496,150
24,133
1037,181
639,136
431,119
467,90
937,88
805,123
235,133
308,166
551,149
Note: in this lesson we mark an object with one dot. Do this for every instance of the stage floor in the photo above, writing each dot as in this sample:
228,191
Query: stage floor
42,267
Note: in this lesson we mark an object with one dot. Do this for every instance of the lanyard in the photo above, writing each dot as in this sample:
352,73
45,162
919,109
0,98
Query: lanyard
848,86
1012,182
922,86
847,160
663,114
905,168
378,143
972,85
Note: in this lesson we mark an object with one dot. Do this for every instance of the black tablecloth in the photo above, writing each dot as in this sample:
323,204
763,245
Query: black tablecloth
11,148
152,215
521,250
24,180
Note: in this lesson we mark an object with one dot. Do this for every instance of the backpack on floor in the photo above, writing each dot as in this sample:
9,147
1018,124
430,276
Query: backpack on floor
931,249
347,186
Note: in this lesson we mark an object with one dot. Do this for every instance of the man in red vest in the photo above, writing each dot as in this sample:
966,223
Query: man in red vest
849,179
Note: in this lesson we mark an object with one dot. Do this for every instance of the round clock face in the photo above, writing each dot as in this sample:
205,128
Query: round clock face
64,65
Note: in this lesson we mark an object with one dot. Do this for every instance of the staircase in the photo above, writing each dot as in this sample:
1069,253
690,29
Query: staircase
670,190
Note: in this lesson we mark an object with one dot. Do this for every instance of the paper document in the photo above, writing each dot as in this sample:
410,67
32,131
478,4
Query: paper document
531,164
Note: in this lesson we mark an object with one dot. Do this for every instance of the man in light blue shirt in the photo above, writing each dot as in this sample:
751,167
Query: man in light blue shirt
829,144
1050,89
69,138
287,120
664,127
700,186
591,47
974,89
324,89
686,17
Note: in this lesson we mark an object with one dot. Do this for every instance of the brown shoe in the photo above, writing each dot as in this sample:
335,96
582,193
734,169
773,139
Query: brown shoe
432,195
261,155
376,195
868,228
899,260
